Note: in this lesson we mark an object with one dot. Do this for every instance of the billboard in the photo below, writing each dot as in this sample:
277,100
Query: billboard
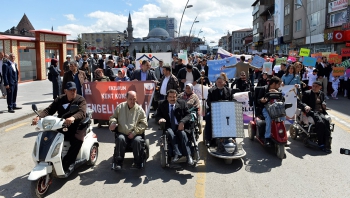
337,5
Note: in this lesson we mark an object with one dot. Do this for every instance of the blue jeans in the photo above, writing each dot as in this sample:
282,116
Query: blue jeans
268,122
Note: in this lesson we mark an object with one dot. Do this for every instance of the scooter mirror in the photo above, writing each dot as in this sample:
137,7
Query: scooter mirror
73,108
34,108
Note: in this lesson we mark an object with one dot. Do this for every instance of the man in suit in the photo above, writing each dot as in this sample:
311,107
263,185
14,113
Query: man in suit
2,87
101,62
188,74
175,115
144,73
10,78
109,72
217,93
241,66
322,76
203,66
314,104
178,66
167,82
158,71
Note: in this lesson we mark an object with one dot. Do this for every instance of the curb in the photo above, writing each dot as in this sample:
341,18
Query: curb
17,119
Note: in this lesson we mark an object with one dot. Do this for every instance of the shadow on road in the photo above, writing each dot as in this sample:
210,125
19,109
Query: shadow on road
299,150
16,187
39,102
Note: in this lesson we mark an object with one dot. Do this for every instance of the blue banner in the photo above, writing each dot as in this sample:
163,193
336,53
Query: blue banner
309,61
258,61
216,67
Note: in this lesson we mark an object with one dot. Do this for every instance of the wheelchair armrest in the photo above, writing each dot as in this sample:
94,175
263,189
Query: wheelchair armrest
288,105
162,126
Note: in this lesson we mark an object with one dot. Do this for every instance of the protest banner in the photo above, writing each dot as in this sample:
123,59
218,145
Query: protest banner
267,67
183,56
348,73
317,55
293,53
281,60
345,64
103,97
304,52
292,58
197,89
345,52
217,66
153,58
338,71
326,54
243,97
309,61
289,92
335,58
257,61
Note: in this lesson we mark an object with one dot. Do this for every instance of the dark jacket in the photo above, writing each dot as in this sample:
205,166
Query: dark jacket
173,83
9,76
214,94
178,67
309,99
280,73
100,63
56,81
66,66
262,82
206,81
137,75
182,75
206,69
57,106
109,73
180,110
94,64
241,85
321,70
68,76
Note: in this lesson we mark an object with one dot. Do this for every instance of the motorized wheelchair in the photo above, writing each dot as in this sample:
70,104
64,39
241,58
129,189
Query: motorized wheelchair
192,130
145,147
304,126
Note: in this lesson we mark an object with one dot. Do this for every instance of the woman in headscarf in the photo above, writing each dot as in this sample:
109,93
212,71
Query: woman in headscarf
189,96
99,76
55,72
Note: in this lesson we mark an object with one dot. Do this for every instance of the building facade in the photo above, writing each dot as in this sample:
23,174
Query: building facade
237,41
168,24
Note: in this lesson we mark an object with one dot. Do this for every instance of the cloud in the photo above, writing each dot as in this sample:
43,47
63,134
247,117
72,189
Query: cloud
70,17
215,18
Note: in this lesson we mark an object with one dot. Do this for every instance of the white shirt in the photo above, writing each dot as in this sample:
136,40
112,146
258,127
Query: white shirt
164,85
170,112
13,66
335,82
1,62
312,79
189,77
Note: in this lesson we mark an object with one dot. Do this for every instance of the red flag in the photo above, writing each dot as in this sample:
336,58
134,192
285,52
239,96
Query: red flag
338,36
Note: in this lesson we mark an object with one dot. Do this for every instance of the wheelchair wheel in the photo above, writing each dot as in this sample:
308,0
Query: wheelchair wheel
162,157
292,132
147,148
251,131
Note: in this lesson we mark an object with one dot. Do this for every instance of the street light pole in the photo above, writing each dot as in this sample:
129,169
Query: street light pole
200,31
189,36
302,5
178,35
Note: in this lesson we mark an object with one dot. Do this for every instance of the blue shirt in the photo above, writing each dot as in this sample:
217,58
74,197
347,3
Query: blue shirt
290,79
143,76
77,83
125,78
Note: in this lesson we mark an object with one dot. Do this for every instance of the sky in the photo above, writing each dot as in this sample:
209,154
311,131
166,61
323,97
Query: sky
216,17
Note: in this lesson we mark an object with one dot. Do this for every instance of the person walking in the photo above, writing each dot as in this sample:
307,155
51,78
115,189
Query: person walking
76,76
10,77
2,87
55,72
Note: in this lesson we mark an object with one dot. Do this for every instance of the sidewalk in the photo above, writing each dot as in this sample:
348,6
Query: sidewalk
37,92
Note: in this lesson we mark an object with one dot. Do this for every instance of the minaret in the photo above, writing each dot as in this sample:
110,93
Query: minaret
130,29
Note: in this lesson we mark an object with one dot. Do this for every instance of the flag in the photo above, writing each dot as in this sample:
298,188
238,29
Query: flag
223,54
338,36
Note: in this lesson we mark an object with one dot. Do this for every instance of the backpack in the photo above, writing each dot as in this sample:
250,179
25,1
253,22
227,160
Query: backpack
50,76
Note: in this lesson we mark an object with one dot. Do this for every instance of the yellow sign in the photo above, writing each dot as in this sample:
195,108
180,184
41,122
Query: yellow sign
304,52
338,71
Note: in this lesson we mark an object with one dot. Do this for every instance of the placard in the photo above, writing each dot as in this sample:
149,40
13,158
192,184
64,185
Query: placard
217,66
345,64
281,60
293,53
348,73
309,61
338,71
345,52
267,67
317,55
304,52
257,61
335,58
292,58
326,54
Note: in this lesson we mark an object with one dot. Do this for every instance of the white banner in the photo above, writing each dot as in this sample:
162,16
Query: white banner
153,58
289,92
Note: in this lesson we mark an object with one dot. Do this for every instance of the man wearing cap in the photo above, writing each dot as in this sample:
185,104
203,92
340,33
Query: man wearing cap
314,104
203,66
61,105
189,74
66,64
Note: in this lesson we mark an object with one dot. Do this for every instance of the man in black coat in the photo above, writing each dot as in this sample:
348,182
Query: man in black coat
175,115
109,72
282,71
56,78
314,104
178,66
101,62
322,75
203,66
193,76
217,93
144,73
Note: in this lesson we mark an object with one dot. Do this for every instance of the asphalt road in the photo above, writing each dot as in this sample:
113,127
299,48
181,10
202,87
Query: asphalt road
305,172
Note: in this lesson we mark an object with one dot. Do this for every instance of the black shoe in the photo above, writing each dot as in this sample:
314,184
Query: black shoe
11,111
69,170
190,160
137,166
17,108
117,166
267,142
176,158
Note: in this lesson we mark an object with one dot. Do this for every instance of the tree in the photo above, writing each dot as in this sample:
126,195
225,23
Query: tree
81,47
143,49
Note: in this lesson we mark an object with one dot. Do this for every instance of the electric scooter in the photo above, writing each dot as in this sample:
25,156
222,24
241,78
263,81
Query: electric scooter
50,148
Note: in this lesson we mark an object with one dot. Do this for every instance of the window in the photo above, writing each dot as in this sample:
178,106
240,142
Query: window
286,30
315,19
298,3
168,47
298,25
286,10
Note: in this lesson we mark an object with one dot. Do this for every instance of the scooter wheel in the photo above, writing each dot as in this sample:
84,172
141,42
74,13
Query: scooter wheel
228,161
93,155
292,132
280,151
38,187
162,157
251,131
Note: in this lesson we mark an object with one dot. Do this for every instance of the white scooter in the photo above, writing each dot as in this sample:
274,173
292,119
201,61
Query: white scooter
50,148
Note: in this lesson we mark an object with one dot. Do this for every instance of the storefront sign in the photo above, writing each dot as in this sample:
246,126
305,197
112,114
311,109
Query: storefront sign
103,97
304,52
338,71
275,41
335,58
346,26
337,5
345,52
347,44
309,61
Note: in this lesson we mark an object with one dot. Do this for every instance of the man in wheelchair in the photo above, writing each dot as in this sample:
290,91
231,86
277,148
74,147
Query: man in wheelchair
174,113
314,105
273,86
129,123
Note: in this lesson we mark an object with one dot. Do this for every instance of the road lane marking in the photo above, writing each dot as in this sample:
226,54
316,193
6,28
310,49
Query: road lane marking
201,172
16,126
